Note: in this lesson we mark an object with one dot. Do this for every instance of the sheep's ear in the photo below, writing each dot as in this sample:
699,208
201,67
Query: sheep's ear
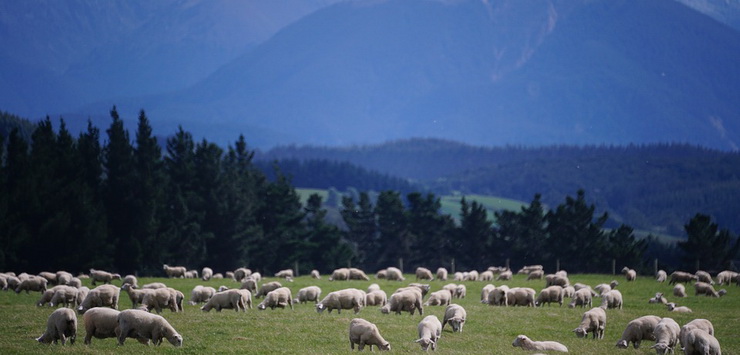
417,340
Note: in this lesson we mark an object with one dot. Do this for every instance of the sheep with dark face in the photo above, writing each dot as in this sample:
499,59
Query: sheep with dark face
455,316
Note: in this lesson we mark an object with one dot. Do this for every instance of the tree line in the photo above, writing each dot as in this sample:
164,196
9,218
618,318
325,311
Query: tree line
126,204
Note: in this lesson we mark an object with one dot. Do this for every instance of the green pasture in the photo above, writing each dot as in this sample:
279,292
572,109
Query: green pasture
488,330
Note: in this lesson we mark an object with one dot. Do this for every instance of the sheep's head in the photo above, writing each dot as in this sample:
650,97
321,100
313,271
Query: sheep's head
385,347
519,341
580,332
660,348
425,343
175,339
671,306
456,323
722,292
320,307
622,344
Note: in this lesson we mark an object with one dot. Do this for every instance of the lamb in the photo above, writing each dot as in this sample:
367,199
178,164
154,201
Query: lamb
460,291
666,335
158,299
101,323
520,296
698,341
535,275
65,295
376,298
439,298
699,323
679,290
527,344
661,276
594,321
549,295
486,275
357,274
101,296
394,274
485,292
266,288
140,324
629,274
455,315
407,300
680,276
61,325
362,332
315,274
581,298
341,274
136,296
284,274
442,274
279,297
658,299
430,329
201,294
131,280
206,273
423,273
174,271
611,299
103,276
251,285
703,288
637,330
229,299
682,309
240,274
34,283
350,298
498,297
704,276
308,294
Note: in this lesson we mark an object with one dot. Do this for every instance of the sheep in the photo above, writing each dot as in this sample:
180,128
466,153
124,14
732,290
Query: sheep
136,296
239,274
679,290
158,299
103,276
569,291
520,296
658,299
535,275
594,321
101,296
460,291
61,325
394,274
279,297
528,269
256,276
698,323
682,309
34,283
408,300
472,276
525,343
191,274
362,332
131,280
611,299
704,276
703,288
64,278
75,282
442,274
485,292
373,287
65,295
229,299
246,298
3,282
556,280
140,324
458,276
680,276
698,341
218,276
438,298
81,294
376,298
153,286
12,283
498,297
284,274
581,298
206,273
46,296
661,276
506,276
350,298
51,278
666,335
357,274
174,271
201,294
430,329
315,274
250,284
424,288
604,288
381,274
726,277
101,323
341,274
629,274
266,288
549,295
577,286
637,330
455,315
451,288
486,275
308,294
423,273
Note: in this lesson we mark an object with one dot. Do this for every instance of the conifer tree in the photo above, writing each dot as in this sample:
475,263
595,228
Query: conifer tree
707,247
362,230
18,184
474,236
429,230
393,235
326,250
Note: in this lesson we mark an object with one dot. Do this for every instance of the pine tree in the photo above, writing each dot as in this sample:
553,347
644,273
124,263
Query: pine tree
474,236
326,250
522,236
393,235
361,228
707,247
625,248
428,230
18,184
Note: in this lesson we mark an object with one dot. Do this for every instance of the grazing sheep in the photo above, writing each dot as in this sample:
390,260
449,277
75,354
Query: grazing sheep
423,273
487,275
174,271
460,291
485,292
525,343
308,294
439,298
251,285
131,280
498,297
471,276
682,309
581,298
158,299
704,276
661,276
520,296
33,283
594,321
698,323
201,294
103,276
46,296
101,323
61,325
246,298
191,274
51,278
153,286
101,296
505,276
206,273
256,276
279,297
638,330
556,280
372,287
549,295
455,315
680,276
679,290
64,278
136,296
451,288
569,291
611,299
341,274
239,274
228,299
65,295
666,335
658,299
405,301
442,274
266,288
362,332
604,288
381,274
284,274
3,282
430,329
357,274
394,274
726,277
535,275
218,276
134,323
424,288
699,342
629,274
376,298
703,288
349,298
458,276
528,269
74,282
315,274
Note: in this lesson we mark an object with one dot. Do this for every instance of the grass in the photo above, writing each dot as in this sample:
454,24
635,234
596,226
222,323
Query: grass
488,330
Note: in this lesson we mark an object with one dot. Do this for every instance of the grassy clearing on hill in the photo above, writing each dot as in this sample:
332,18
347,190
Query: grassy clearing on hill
488,330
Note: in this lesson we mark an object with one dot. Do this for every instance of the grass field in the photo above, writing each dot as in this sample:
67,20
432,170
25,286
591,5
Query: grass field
488,330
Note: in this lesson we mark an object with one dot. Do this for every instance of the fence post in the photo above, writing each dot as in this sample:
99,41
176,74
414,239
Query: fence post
452,264
296,269
655,267
400,264
507,264
557,265
614,266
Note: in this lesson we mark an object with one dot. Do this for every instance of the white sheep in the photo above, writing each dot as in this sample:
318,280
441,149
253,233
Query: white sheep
569,291
372,287
423,273
679,290
666,335
638,330
250,284
101,296
460,291
430,330
102,323
381,274
471,276
349,298
308,294
206,273
527,344
486,275
682,309
174,271
485,292
549,295
394,274
661,276
33,283
681,276
629,274
239,274
218,276
659,298
266,288
357,274
61,325
612,299
438,298
601,289
153,285
703,288
51,278
136,296
699,323
594,321
376,298
201,294
725,277
581,298
63,278
136,323
75,282
362,332
556,280
191,274
528,269
315,274
455,315
451,288
704,276
228,299
697,341
284,274
46,296
535,275
408,300
81,294
158,299
3,282
442,274
279,297
341,274
103,276
131,280
458,276
498,297
65,295
505,276
520,296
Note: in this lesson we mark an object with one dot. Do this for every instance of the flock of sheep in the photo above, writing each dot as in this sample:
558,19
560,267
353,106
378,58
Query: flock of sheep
101,318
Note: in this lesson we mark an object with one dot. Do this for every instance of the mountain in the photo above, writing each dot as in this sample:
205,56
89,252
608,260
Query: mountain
505,72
